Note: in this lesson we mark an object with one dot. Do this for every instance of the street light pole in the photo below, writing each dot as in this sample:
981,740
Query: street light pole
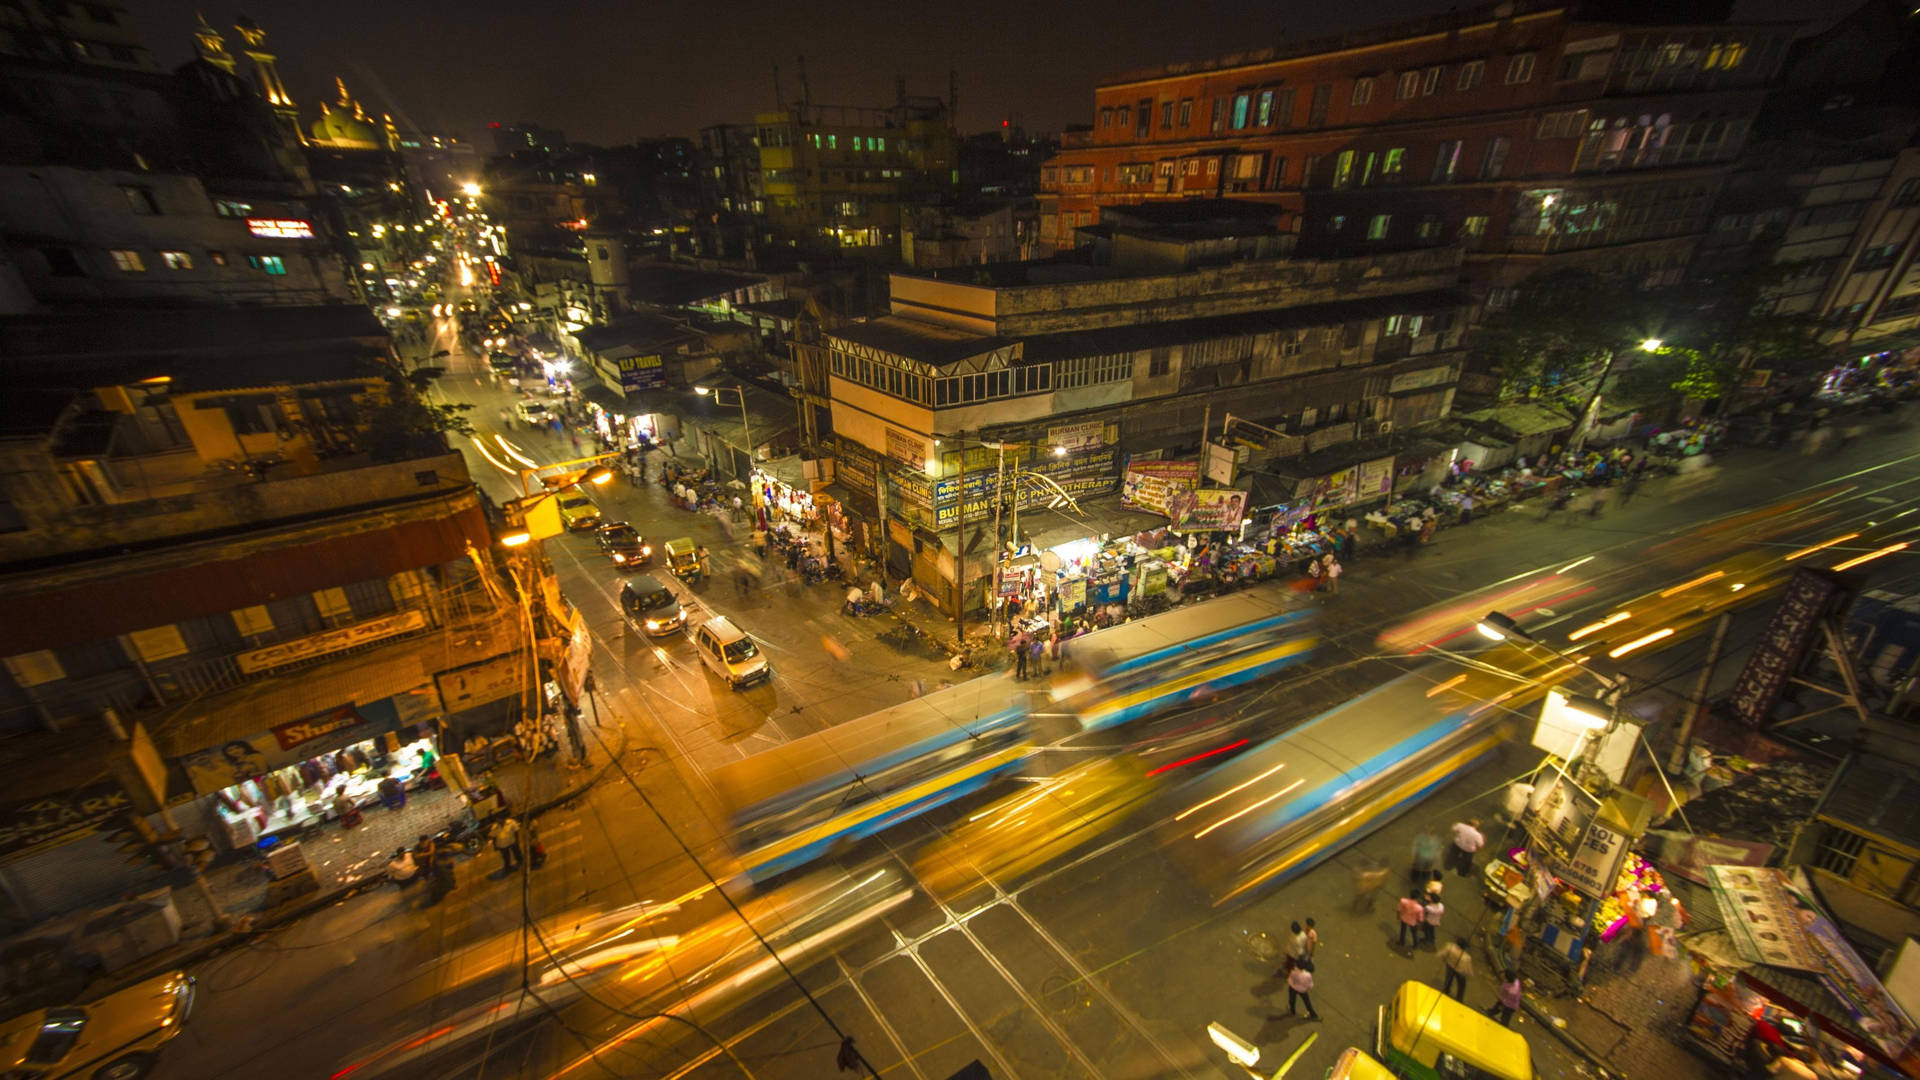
999,503
960,552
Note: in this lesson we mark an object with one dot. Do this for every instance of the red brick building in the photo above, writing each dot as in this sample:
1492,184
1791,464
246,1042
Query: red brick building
1527,132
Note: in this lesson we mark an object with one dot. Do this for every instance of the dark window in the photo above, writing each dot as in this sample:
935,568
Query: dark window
59,1033
140,199
1219,114
98,657
295,616
1166,116
11,520
1283,108
1159,363
253,417
1317,111
61,261
369,599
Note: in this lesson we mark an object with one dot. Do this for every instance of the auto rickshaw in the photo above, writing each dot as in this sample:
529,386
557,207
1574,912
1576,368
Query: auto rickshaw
1425,1035
683,559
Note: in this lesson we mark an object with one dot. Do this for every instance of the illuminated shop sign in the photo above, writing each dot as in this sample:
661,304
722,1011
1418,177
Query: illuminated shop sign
284,228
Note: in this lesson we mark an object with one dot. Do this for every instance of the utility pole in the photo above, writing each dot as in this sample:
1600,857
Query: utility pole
1683,739
960,551
999,548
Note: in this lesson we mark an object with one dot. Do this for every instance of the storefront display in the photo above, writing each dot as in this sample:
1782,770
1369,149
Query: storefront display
300,795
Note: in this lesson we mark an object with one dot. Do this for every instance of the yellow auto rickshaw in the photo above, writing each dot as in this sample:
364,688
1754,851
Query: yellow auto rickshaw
1426,1035
1355,1064
683,559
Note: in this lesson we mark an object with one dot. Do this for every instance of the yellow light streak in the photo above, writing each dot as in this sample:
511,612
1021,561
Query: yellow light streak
1448,685
1872,555
1648,639
1189,811
1592,628
1245,810
1701,580
1803,552
496,462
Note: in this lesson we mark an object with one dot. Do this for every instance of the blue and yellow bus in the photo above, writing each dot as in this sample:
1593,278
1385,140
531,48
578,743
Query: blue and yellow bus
820,793
1293,801
1146,665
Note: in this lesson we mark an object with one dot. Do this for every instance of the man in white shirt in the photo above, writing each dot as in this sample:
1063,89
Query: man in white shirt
1467,841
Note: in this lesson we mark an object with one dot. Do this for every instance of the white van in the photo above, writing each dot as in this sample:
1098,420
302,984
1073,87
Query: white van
730,653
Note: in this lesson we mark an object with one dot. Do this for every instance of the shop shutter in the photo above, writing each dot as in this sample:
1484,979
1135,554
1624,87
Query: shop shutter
88,872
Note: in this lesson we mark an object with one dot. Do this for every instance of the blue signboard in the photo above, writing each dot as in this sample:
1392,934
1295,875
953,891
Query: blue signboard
642,372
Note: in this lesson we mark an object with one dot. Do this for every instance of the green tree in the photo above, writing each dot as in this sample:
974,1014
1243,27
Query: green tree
405,423
1559,332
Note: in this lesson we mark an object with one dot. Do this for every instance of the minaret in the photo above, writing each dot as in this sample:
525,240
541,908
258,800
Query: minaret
266,77
212,47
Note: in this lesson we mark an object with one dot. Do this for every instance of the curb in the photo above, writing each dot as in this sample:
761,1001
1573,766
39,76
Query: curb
312,902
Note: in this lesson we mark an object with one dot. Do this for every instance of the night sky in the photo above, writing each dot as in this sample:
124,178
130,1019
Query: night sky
612,72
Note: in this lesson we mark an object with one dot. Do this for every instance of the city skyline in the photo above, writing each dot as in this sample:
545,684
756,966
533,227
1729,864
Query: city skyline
525,67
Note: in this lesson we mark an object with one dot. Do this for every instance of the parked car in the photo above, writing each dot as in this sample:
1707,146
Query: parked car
729,653
116,1038
577,511
534,412
652,605
624,545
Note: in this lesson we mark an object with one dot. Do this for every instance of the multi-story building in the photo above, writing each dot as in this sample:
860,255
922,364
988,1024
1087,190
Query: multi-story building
838,176
963,234
92,33
730,178
1531,133
220,526
519,138
1189,311
186,187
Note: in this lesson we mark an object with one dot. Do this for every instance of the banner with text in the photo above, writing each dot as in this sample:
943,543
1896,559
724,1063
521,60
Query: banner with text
1207,510
1148,485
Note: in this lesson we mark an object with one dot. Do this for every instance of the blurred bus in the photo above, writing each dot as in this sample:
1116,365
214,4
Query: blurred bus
823,792
1289,803
1140,667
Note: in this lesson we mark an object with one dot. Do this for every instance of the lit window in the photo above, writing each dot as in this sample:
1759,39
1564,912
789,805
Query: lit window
176,260
217,258
128,260
1336,223
1240,107
1394,163
272,264
882,142
1377,227
1343,169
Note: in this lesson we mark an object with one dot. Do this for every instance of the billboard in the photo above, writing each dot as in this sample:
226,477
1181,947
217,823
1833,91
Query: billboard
1147,485
1207,510
1809,599
647,372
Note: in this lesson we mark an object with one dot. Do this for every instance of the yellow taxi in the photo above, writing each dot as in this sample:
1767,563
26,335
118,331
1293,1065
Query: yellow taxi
116,1038
577,511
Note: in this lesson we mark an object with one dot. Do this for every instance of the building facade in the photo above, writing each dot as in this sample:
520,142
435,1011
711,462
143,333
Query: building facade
1196,311
1526,133
837,177
231,544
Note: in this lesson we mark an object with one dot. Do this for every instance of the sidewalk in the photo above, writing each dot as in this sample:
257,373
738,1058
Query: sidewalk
532,789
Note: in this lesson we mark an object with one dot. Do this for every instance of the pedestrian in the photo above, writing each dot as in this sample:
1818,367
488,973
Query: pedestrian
1313,939
1296,949
1467,841
401,869
506,840
1508,1002
1459,962
1019,647
344,808
1431,911
1331,568
1300,988
1426,855
739,509
1413,916
1367,880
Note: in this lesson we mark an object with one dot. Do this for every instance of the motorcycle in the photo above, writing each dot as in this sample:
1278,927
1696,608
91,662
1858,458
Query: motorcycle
865,609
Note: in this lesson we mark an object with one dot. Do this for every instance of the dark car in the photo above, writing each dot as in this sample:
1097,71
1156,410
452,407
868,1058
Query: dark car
652,606
503,363
624,545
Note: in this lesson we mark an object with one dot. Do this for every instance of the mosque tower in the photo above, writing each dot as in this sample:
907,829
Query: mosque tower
266,77
212,47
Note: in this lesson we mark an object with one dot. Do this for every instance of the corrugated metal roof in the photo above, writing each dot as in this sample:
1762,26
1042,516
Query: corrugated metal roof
926,342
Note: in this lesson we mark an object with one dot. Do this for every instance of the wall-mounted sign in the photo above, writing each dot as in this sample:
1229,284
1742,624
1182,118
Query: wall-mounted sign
1421,379
1810,597
37,824
642,372
1147,485
333,641
906,449
281,228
